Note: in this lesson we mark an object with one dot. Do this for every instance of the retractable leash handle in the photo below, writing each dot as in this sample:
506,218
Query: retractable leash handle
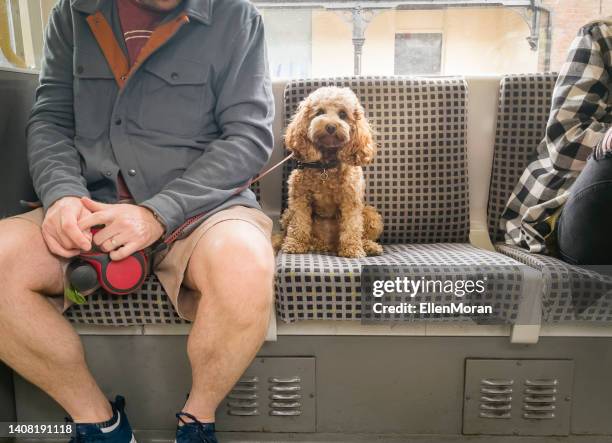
95,269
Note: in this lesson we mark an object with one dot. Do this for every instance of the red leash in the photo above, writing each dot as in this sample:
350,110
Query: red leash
191,220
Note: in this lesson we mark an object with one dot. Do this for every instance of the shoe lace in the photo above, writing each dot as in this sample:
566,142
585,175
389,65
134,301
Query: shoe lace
201,427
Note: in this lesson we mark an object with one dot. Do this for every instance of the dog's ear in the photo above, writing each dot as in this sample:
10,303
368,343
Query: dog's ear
296,136
361,149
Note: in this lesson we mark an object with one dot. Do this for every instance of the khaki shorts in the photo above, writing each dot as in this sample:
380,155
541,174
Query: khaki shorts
170,265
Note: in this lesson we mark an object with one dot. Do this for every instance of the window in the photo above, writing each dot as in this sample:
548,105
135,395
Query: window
418,53
289,36
310,38
21,31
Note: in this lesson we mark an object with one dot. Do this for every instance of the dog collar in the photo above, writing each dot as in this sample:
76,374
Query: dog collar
317,165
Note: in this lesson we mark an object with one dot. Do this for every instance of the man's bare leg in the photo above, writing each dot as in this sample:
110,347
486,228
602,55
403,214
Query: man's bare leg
37,341
232,267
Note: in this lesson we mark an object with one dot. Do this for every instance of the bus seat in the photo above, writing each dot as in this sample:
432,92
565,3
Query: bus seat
419,183
570,293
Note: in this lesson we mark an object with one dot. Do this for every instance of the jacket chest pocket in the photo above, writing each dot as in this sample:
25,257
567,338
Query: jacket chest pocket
172,97
95,91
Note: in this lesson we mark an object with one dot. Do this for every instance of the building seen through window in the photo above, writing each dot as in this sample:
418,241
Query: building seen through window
418,53
409,37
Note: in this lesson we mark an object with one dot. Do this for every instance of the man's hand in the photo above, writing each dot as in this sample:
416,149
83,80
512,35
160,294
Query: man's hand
127,228
60,227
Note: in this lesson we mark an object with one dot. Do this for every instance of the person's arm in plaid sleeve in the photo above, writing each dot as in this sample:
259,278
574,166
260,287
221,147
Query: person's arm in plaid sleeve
580,116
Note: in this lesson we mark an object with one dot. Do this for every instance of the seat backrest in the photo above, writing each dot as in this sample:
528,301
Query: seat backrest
418,180
524,106
17,91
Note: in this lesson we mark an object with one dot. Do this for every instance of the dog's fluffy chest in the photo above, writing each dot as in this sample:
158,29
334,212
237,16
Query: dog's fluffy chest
326,191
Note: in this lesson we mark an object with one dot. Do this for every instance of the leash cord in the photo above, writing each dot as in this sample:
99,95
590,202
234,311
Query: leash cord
191,220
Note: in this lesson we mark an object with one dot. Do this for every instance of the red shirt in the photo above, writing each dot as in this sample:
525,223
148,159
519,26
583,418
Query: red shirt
137,25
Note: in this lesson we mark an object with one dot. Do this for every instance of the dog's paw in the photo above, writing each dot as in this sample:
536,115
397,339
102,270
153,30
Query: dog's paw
351,251
292,246
372,248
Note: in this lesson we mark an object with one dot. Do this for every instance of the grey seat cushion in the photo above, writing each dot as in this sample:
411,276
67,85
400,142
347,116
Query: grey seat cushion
418,179
325,287
570,293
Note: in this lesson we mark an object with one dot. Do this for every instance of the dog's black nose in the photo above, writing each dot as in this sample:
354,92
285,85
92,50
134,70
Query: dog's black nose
330,129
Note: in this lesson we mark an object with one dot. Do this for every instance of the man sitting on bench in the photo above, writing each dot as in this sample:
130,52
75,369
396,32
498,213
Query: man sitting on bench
562,204
148,112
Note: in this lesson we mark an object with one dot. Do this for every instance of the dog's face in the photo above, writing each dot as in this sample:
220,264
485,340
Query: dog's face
330,125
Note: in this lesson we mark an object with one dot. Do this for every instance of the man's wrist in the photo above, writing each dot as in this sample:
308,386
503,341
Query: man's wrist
158,219
60,198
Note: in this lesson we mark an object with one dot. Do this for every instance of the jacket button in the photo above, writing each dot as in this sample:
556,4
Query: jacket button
174,75
80,69
118,121
132,172
123,77
108,173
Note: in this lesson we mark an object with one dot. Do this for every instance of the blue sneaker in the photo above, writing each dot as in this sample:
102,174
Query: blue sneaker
194,431
116,430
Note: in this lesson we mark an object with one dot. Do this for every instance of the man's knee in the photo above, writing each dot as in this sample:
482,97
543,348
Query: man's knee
237,257
25,260
237,246
14,244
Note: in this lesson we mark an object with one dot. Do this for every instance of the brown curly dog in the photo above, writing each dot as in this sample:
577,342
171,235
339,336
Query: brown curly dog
331,140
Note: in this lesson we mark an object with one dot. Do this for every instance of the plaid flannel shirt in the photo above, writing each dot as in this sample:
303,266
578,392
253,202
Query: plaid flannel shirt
581,113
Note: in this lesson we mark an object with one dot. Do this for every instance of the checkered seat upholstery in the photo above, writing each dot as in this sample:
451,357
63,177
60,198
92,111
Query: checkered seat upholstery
570,293
148,305
326,287
523,108
418,181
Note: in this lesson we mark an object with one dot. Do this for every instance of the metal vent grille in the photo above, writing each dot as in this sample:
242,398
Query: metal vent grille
285,396
517,397
242,400
496,398
540,399
275,394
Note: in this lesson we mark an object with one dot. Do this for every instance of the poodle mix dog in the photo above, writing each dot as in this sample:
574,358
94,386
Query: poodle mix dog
331,140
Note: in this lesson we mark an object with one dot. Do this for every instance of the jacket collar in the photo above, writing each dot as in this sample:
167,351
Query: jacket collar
200,10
